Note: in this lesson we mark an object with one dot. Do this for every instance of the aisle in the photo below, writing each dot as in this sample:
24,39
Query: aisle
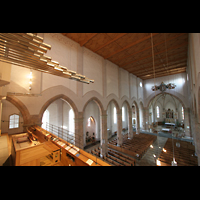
4,154
148,159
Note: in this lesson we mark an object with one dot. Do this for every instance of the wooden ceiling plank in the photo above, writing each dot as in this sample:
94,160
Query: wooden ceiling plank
130,45
150,77
158,59
171,48
161,69
107,43
171,38
173,71
83,42
171,62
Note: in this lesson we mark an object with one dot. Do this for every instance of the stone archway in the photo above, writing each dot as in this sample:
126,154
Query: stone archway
186,110
60,96
22,108
116,127
103,124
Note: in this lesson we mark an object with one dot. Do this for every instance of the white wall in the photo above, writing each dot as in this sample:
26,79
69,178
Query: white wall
7,110
92,68
180,90
112,78
69,53
124,77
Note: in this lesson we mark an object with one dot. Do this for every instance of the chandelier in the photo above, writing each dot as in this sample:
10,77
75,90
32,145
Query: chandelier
162,87
28,49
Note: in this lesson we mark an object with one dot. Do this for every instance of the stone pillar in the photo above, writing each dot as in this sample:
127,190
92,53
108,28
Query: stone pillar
154,115
137,123
146,118
119,127
195,129
130,127
79,130
103,135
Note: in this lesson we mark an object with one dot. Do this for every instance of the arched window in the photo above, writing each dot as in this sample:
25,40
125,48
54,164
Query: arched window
14,121
71,120
182,113
123,114
115,116
45,119
158,112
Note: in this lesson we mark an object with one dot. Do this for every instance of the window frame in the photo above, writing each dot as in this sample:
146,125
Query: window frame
157,112
182,113
14,121
115,115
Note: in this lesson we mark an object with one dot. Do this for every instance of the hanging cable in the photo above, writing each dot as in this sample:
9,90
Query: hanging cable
157,160
173,162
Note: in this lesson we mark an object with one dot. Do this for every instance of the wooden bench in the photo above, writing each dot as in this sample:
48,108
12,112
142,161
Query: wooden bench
182,154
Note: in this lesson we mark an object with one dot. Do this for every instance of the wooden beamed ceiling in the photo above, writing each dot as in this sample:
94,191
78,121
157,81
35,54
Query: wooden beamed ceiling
133,51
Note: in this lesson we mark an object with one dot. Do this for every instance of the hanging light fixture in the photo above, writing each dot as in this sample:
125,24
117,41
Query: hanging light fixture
28,49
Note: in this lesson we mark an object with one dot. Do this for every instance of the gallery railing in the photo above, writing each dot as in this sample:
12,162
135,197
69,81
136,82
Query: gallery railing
64,134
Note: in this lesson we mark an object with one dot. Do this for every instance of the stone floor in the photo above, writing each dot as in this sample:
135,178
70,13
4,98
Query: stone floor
149,158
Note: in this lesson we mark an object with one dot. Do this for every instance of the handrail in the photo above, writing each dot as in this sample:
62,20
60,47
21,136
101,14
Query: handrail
65,134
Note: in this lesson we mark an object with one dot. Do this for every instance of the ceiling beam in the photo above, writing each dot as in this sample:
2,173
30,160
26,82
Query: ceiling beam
107,43
170,63
150,77
171,48
141,66
173,71
171,38
83,42
160,69
130,45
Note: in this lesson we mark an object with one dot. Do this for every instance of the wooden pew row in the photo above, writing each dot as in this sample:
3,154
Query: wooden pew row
123,160
122,155
182,154
117,159
136,146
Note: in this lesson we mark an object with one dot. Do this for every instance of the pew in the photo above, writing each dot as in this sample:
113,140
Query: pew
184,155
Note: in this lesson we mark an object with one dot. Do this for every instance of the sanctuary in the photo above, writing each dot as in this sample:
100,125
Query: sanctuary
99,99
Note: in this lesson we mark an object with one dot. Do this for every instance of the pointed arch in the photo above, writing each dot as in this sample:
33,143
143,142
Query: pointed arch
22,108
60,96
97,101
115,103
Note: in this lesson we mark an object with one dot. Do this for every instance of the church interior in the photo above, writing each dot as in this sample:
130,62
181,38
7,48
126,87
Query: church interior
99,99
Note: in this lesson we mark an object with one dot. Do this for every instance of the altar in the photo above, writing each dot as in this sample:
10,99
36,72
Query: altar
170,117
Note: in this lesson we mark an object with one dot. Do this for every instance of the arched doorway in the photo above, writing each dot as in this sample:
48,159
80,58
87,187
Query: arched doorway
57,116
91,130
112,110
60,114
91,109
168,110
